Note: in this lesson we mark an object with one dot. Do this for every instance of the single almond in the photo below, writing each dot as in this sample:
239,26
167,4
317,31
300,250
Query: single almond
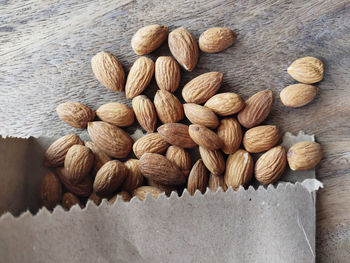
216,181
198,114
142,191
270,166
261,138
168,107
176,134
256,110
134,178
159,169
216,39
205,137
125,196
108,70
100,157
213,160
145,112
304,156
149,38
167,189
95,198
202,88
110,139
180,157
306,70
230,132
298,95
139,77
239,169
116,113
50,192
167,74
183,46
75,114
198,178
150,143
225,104
55,154
108,179
69,200
83,188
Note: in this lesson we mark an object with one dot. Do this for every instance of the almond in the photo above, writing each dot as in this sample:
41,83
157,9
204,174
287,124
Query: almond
213,160
149,38
261,138
180,157
159,169
145,112
134,178
198,178
216,39
176,134
75,114
69,200
306,70
167,74
55,154
230,132
142,191
95,198
168,107
108,179
116,113
100,157
183,46
50,191
270,166
239,169
304,156
83,188
167,189
225,104
124,195
257,109
198,114
108,70
298,95
205,137
216,181
139,77
202,88
150,143
110,139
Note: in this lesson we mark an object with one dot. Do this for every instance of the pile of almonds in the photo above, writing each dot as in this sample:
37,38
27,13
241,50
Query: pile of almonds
226,128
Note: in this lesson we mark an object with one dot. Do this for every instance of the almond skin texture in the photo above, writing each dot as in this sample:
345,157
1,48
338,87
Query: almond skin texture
167,74
298,95
198,178
205,137
134,178
202,88
198,114
149,38
75,114
216,39
239,169
108,179
124,195
142,191
139,77
230,132
213,160
159,169
256,110
83,189
95,198
183,46
69,200
50,191
145,112
55,154
176,134
306,70
261,138
216,181
150,143
225,104
180,157
270,166
100,157
168,107
112,140
116,113
108,70
304,156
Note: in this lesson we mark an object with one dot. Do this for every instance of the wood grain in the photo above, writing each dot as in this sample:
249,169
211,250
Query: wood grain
46,47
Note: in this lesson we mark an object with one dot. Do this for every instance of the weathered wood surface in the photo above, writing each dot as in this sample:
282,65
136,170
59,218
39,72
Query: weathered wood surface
46,47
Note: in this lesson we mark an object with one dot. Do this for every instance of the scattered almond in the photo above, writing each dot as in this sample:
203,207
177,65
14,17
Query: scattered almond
198,114
50,191
180,157
145,112
167,74
69,200
168,107
75,114
225,104
83,188
134,178
216,181
176,134
298,95
216,39
261,138
304,156
100,157
116,113
205,137
306,70
150,143
142,191
230,132
213,160
198,178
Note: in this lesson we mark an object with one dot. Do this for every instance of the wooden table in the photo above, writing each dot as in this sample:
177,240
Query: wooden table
46,47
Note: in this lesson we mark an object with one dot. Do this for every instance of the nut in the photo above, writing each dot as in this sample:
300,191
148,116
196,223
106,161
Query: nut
125,196
69,200
225,104
95,198
116,113
216,39
213,160
75,114
298,95
180,157
306,70
134,178
100,157
230,132
83,188
261,138
176,134
150,143
216,181
198,178
167,74
304,156
50,192
167,189
205,137
145,112
142,191
198,114
168,107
